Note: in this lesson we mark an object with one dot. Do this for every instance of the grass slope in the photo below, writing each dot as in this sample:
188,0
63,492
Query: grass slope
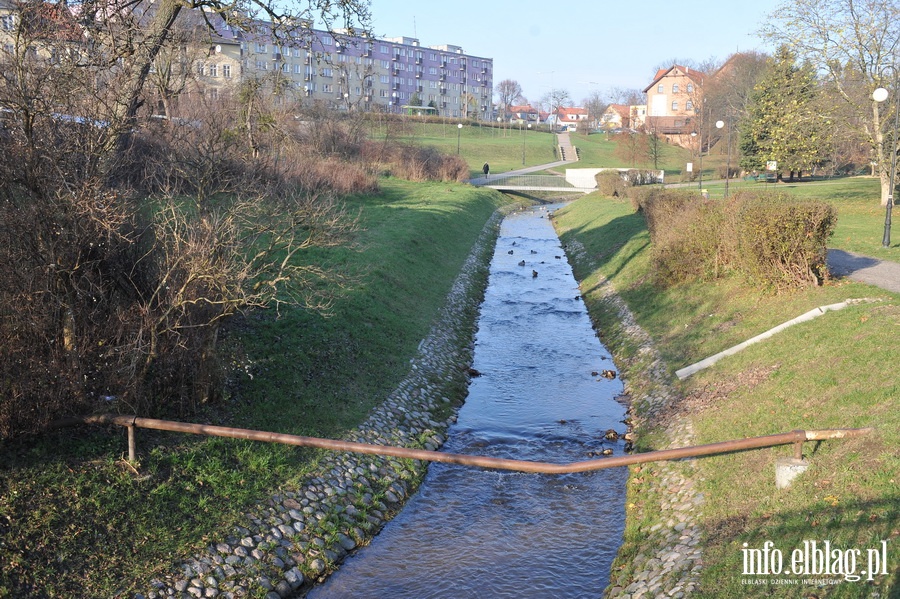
78,521
836,371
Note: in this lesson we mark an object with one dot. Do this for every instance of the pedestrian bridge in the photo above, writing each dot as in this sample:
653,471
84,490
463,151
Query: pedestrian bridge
530,183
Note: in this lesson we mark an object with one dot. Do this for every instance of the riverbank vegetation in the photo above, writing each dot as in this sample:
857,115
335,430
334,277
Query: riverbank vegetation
77,520
832,372
246,264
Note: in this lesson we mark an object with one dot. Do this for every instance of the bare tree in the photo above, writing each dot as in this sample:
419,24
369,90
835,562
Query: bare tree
556,99
118,292
596,105
509,92
856,46
628,97
131,34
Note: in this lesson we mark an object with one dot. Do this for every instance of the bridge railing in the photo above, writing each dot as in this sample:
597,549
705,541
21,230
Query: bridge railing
529,181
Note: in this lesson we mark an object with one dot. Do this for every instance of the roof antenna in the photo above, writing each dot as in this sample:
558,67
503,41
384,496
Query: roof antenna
415,33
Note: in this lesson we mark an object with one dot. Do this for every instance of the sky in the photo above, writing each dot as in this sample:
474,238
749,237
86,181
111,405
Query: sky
581,46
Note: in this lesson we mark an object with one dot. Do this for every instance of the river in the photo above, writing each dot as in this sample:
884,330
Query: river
541,396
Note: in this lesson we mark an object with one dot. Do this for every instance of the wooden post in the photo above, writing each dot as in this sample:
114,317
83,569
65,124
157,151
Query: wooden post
131,450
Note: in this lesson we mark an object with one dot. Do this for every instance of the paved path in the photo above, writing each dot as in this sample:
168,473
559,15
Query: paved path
518,171
882,273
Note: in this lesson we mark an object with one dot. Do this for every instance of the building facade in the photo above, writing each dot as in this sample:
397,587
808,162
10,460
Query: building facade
351,72
673,101
342,69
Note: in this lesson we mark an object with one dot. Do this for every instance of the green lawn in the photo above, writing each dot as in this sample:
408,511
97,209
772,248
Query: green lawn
77,521
836,371
501,147
596,151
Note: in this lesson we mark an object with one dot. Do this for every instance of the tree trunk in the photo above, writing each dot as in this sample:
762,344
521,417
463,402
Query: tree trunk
130,96
884,174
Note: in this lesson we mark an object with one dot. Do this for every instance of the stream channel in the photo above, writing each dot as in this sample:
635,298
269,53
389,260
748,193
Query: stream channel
470,532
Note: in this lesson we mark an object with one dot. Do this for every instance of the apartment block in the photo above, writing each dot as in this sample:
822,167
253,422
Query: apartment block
350,72
342,69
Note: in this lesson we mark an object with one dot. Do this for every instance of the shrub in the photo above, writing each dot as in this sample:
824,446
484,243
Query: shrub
685,231
610,183
774,240
731,172
415,163
781,242
636,177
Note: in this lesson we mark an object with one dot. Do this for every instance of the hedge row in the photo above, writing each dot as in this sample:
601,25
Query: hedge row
776,241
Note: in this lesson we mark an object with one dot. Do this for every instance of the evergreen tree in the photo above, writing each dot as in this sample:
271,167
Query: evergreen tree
782,123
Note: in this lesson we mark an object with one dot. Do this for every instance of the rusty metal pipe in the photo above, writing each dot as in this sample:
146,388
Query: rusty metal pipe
797,436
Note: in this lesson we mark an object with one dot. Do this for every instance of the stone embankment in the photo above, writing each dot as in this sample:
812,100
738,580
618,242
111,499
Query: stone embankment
663,496
300,535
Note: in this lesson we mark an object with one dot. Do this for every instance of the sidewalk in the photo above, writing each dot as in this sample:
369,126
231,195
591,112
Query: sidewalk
881,273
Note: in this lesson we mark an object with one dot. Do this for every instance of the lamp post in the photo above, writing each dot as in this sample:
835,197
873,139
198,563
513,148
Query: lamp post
458,132
880,95
719,125
700,159
523,141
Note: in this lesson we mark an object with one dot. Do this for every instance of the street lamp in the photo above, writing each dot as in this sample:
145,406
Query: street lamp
458,132
523,142
880,95
719,125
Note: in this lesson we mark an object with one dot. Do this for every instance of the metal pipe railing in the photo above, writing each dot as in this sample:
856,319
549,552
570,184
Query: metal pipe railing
796,438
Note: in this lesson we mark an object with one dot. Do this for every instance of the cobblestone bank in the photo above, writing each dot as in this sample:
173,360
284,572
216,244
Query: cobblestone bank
668,559
298,536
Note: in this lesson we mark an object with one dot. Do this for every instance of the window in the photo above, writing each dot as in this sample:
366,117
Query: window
327,88
327,40
285,67
675,105
384,79
226,71
384,49
260,48
690,88
660,89
327,72
8,22
213,70
385,64
296,52
688,105
261,65
675,88
201,69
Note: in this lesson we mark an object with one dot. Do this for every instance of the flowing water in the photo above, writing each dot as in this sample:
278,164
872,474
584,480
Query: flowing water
480,533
